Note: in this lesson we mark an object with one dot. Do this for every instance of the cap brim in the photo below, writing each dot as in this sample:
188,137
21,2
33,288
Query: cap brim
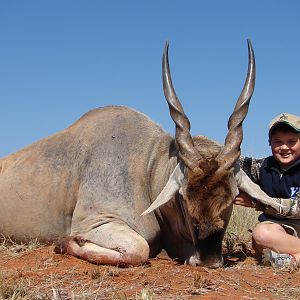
284,122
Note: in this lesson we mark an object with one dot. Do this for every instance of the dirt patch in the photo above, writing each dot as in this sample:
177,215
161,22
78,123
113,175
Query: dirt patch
42,274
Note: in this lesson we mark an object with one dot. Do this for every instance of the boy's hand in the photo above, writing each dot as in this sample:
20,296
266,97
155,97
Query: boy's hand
243,199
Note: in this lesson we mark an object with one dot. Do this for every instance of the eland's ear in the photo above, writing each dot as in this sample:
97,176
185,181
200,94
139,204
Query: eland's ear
245,184
171,188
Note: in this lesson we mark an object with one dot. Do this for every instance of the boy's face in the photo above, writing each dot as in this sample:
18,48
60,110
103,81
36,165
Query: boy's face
285,147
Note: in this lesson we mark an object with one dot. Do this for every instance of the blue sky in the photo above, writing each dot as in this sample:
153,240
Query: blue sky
60,59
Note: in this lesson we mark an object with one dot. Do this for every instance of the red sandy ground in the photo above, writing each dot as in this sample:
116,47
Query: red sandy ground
41,273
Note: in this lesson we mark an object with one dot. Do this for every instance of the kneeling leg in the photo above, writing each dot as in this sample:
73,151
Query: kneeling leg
112,243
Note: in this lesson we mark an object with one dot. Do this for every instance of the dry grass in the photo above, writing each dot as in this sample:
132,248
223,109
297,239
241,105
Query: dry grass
13,291
68,285
8,244
238,236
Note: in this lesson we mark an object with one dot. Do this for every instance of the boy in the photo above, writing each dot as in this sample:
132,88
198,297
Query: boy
279,176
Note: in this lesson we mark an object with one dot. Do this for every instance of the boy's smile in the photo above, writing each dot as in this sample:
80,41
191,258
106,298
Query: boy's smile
285,147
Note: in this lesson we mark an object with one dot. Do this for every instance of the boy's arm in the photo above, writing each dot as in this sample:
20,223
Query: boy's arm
289,208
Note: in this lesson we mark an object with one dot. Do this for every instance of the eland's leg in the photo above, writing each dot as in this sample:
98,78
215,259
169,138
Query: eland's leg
111,243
